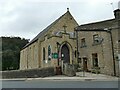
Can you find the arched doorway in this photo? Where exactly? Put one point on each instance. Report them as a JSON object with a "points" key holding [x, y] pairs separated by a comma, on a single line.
{"points": [[65, 54]]}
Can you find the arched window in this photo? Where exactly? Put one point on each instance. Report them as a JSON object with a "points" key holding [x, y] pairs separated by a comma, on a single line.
{"points": [[43, 53], [49, 52]]}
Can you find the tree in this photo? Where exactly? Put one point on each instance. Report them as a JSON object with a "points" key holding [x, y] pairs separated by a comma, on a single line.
{"points": [[11, 47]]}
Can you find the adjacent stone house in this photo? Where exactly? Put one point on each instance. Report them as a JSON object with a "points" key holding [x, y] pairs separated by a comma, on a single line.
{"points": [[99, 45], [52, 47]]}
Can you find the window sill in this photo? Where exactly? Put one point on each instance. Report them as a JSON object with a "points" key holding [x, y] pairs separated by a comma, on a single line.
{"points": [[83, 46], [95, 67], [96, 43]]}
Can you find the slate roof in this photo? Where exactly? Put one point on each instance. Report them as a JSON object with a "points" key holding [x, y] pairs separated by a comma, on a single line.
{"points": [[42, 33], [98, 25]]}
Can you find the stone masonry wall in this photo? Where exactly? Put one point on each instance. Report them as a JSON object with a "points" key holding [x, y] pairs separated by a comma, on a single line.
{"points": [[104, 51], [31, 73], [32, 56]]}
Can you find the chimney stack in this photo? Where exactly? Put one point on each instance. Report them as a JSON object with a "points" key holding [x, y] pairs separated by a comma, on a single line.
{"points": [[117, 14]]}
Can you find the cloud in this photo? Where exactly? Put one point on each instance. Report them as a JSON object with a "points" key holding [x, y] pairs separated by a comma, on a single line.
{"points": [[26, 18]]}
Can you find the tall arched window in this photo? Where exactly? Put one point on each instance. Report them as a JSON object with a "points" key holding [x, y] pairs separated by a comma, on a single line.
{"points": [[49, 52], [43, 53]]}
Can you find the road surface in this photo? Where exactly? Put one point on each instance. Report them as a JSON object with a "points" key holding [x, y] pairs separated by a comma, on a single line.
{"points": [[58, 84]]}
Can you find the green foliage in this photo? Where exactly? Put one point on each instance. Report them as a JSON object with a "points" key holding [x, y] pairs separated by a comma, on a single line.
{"points": [[11, 47]]}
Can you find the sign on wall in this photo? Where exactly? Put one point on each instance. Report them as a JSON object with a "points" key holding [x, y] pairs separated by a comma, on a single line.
{"points": [[55, 55]]}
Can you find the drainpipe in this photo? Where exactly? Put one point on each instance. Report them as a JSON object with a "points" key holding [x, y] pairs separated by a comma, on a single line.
{"points": [[27, 57], [112, 46], [77, 43], [113, 53]]}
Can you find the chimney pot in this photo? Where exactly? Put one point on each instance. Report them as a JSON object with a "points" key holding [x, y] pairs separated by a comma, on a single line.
{"points": [[117, 13]]}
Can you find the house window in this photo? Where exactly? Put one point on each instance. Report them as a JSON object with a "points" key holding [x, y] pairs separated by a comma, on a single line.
{"points": [[49, 52], [43, 53], [83, 43], [95, 38], [95, 59]]}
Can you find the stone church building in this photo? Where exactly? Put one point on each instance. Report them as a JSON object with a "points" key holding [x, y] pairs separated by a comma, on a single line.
{"points": [[94, 46], [52, 47]]}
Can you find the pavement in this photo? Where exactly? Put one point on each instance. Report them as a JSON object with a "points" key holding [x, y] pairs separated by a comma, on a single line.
{"points": [[80, 76]]}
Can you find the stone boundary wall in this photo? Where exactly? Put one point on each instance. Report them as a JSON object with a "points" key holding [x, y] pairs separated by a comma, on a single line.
{"points": [[31, 73], [69, 70]]}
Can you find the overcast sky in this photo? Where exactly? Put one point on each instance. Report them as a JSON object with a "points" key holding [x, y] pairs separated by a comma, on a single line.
{"points": [[26, 18]]}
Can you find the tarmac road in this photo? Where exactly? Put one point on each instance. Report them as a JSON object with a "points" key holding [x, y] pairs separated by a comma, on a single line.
{"points": [[58, 84]]}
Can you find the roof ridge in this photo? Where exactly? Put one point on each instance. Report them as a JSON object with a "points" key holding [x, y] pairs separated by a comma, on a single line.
{"points": [[41, 34], [97, 22]]}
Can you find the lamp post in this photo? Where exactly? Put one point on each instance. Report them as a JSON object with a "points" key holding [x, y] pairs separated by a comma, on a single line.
{"points": [[58, 46], [58, 68]]}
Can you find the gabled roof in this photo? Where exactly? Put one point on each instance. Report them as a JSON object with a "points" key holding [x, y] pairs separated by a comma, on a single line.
{"points": [[42, 33]]}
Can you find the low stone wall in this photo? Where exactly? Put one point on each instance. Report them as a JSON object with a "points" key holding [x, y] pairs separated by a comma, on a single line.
{"points": [[69, 69], [31, 73]]}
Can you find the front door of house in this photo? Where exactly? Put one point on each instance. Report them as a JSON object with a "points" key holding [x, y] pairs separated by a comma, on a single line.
{"points": [[85, 64], [65, 54]]}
